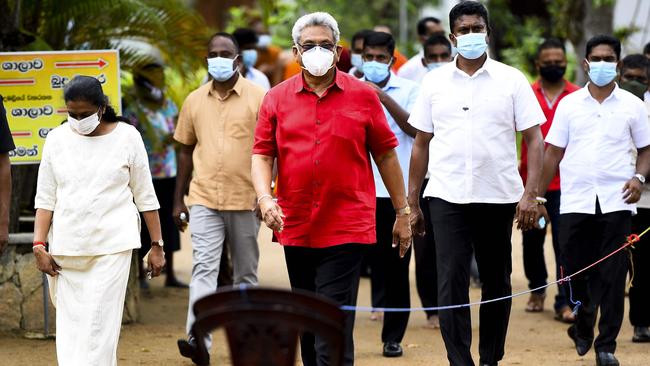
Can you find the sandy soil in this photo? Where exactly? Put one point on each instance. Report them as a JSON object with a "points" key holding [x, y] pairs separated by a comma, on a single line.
{"points": [[533, 339]]}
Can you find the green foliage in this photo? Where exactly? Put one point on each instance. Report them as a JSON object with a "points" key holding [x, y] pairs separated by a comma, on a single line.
{"points": [[169, 25], [279, 15]]}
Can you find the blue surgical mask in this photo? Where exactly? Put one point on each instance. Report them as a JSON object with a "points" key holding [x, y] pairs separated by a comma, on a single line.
{"points": [[472, 45], [356, 60], [220, 68], [249, 58], [602, 73], [435, 65], [264, 41], [376, 72]]}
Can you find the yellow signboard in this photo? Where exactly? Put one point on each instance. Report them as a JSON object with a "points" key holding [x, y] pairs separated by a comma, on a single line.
{"points": [[31, 84]]}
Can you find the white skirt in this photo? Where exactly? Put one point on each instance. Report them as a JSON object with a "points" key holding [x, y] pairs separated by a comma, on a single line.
{"points": [[89, 296]]}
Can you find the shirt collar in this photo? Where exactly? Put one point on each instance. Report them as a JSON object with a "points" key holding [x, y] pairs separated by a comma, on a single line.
{"points": [[237, 88], [300, 84], [537, 85], [393, 82], [487, 66], [616, 93]]}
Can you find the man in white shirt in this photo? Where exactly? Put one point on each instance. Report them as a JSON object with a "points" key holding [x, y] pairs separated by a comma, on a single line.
{"points": [[247, 40], [474, 106], [414, 69], [356, 51], [436, 52], [590, 140], [390, 272]]}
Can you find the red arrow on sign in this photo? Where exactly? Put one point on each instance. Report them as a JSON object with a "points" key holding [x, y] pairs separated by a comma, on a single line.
{"points": [[21, 134], [100, 64], [11, 82], [62, 111]]}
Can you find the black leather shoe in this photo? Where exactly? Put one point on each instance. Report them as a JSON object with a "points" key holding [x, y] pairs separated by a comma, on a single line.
{"points": [[392, 349], [188, 349], [606, 359], [641, 335], [582, 345]]}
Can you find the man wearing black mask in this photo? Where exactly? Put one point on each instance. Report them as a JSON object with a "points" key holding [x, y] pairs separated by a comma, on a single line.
{"points": [[549, 89]]}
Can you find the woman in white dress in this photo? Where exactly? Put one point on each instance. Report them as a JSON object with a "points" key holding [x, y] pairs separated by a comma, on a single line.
{"points": [[93, 181]]}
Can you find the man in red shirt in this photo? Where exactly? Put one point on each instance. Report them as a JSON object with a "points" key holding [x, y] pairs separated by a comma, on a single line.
{"points": [[322, 126], [550, 89]]}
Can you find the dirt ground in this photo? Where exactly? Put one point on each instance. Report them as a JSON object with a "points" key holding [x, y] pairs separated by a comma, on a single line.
{"points": [[533, 339]]}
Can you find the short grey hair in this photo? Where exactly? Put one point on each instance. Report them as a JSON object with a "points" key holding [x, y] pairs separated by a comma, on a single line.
{"points": [[315, 19]]}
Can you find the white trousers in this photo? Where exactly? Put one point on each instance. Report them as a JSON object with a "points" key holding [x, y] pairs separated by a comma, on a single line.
{"points": [[89, 296]]}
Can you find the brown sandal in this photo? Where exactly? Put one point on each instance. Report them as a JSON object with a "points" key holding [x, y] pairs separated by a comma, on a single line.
{"points": [[565, 315], [535, 303]]}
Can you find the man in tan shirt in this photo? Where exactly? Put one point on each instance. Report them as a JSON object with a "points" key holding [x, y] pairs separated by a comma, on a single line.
{"points": [[216, 128]]}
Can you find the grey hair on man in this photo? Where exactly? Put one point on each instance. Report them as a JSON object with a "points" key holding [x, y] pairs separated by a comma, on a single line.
{"points": [[315, 19]]}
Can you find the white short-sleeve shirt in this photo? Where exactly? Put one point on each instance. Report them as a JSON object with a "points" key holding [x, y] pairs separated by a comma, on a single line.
{"points": [[474, 119], [95, 186], [404, 92], [597, 138], [413, 69], [259, 78]]}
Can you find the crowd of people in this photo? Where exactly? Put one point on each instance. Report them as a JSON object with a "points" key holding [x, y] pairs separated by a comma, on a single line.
{"points": [[350, 156]]}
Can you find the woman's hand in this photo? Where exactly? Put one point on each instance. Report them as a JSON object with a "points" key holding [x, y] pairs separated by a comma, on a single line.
{"points": [[44, 261], [155, 260]]}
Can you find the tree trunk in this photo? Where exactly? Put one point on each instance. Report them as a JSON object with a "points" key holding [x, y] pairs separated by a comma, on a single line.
{"points": [[597, 20]]}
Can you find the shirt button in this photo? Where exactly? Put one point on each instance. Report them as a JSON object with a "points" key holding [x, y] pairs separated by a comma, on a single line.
{"points": [[317, 142], [315, 205], [318, 122], [317, 162]]}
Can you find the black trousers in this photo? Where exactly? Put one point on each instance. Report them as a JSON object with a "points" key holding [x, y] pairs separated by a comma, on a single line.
{"points": [[533, 248], [334, 273], [426, 277], [486, 230], [585, 238], [639, 293], [391, 272]]}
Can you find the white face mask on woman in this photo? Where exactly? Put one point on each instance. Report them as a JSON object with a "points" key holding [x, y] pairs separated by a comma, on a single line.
{"points": [[86, 125]]}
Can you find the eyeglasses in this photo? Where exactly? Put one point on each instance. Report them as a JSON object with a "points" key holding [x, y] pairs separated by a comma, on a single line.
{"points": [[309, 46]]}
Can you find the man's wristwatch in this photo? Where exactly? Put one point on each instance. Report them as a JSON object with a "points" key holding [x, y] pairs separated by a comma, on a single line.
{"points": [[159, 243], [640, 177], [404, 211]]}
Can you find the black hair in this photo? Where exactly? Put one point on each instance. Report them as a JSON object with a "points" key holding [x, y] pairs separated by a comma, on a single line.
{"points": [[635, 61], [225, 35], [606, 40], [360, 35], [88, 89], [380, 39], [468, 7], [438, 39], [245, 36], [551, 43], [422, 24], [646, 49]]}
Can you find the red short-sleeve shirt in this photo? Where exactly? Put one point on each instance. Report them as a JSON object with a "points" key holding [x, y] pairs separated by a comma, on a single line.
{"points": [[323, 145], [549, 112]]}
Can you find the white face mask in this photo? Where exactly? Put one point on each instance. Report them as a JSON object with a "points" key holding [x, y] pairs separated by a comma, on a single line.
{"points": [[318, 61], [86, 125]]}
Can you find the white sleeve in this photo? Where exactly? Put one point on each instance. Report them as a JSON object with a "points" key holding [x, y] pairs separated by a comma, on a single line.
{"points": [[558, 134], [640, 128], [420, 116], [140, 180], [527, 111], [46, 184]]}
